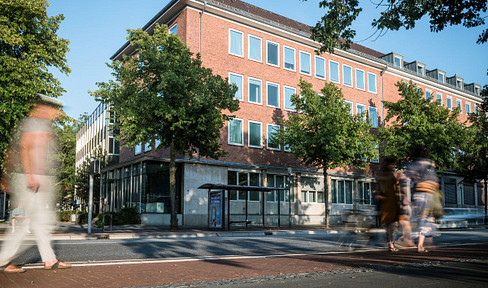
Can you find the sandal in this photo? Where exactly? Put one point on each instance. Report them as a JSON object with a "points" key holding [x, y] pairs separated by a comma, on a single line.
{"points": [[58, 265], [11, 268], [423, 251], [393, 249]]}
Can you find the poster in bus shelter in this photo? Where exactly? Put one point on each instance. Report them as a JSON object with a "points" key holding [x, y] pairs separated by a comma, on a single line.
{"points": [[215, 207]]}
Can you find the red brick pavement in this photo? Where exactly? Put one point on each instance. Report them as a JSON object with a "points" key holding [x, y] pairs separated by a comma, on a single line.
{"points": [[180, 272]]}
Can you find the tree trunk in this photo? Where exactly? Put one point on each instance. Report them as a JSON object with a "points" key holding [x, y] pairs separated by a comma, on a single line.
{"points": [[326, 196], [486, 201], [172, 187]]}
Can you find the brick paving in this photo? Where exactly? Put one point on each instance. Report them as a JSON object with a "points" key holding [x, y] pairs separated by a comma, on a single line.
{"points": [[148, 274]]}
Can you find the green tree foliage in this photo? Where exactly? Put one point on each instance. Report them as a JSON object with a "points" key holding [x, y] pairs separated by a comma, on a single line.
{"points": [[415, 120], [81, 180], [334, 28], [28, 47], [66, 128], [163, 93], [324, 134]]}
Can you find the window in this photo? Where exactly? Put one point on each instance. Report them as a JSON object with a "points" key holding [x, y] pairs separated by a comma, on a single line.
{"points": [[254, 91], [312, 197], [289, 58], [277, 181], [372, 82], [459, 105], [347, 75], [361, 109], [243, 179], [441, 77], [255, 48], [341, 191], [157, 143], [360, 79], [377, 159], [273, 53], [349, 106], [305, 63], [438, 98], [365, 190], [236, 44], [475, 109], [373, 116], [138, 149], [319, 67], [273, 95], [147, 147], [468, 108], [397, 62], [334, 71], [420, 70], [235, 132], [288, 92], [272, 130], [237, 79], [449, 102], [428, 95], [174, 29], [255, 135], [459, 84]]}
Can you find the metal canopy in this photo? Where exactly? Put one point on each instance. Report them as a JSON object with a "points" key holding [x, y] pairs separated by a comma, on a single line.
{"points": [[239, 187]]}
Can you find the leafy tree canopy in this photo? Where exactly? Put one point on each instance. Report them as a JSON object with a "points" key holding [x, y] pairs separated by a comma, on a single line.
{"points": [[415, 120], [28, 47], [324, 133], [334, 29]]}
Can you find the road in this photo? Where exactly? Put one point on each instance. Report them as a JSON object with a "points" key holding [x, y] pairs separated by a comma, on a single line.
{"points": [[284, 261]]}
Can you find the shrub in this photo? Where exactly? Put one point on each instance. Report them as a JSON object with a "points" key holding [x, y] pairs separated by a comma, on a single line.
{"points": [[65, 216]]}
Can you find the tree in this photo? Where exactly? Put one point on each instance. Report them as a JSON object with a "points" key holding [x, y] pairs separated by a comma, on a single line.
{"points": [[415, 120], [163, 93], [334, 28], [324, 133], [81, 178], [28, 47]]}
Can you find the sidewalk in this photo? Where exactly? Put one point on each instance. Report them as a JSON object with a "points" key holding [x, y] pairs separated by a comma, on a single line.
{"points": [[70, 231]]}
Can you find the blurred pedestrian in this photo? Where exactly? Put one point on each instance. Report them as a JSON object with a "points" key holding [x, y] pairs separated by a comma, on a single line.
{"points": [[425, 183], [32, 181]]}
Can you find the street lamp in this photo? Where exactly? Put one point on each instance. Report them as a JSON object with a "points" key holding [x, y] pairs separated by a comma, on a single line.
{"points": [[94, 169]]}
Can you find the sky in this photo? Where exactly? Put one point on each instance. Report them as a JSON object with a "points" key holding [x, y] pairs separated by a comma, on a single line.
{"points": [[98, 28]]}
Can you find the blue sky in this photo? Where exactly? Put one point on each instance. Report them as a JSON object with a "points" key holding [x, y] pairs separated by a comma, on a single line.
{"points": [[97, 29]]}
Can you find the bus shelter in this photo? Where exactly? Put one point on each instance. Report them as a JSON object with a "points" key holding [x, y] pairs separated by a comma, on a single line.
{"points": [[220, 214]]}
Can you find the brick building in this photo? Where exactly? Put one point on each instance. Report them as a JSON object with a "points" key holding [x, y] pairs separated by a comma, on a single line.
{"points": [[265, 55]]}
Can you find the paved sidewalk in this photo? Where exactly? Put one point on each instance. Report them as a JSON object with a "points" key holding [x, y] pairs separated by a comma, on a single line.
{"points": [[70, 231]]}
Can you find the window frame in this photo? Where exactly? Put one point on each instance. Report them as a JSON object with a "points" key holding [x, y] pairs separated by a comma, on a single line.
{"points": [[242, 85], [449, 102], [467, 107], [260, 60], [229, 132], [441, 100], [300, 53], [335, 191], [375, 119], [363, 79], [249, 90], [430, 95], [364, 110], [230, 42], [249, 122], [269, 127], [173, 27], [324, 66], [138, 149], [351, 106], [284, 97], [350, 75], [375, 83], [277, 52], [294, 58], [268, 83], [459, 103], [338, 72]]}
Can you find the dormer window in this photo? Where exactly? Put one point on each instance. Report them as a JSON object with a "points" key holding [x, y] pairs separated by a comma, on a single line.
{"points": [[459, 84], [397, 61], [441, 78], [420, 70], [477, 91]]}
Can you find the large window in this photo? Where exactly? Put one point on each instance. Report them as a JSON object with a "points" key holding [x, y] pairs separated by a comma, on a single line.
{"points": [[138, 149], [372, 82], [347, 75], [349, 106], [312, 196], [438, 98], [319, 67], [174, 29], [236, 133], [277, 181], [373, 116], [238, 80], [243, 179], [360, 79], [428, 95], [236, 43], [255, 48], [254, 91], [459, 105], [449, 102], [273, 53], [468, 108], [288, 92], [365, 190], [289, 58], [273, 95], [305, 63], [255, 134], [334, 71], [361, 109], [341, 191], [273, 144]]}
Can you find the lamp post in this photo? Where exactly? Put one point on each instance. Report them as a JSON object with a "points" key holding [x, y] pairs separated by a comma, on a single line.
{"points": [[94, 169]]}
